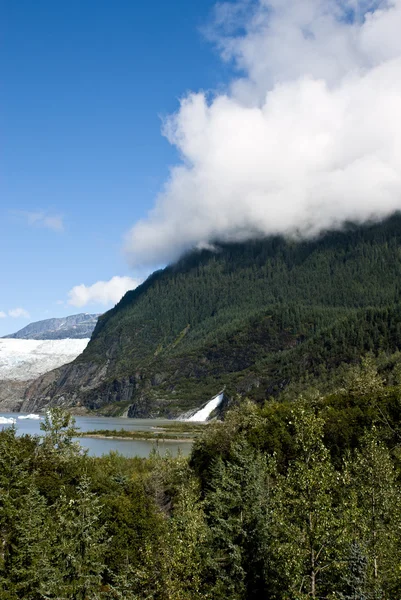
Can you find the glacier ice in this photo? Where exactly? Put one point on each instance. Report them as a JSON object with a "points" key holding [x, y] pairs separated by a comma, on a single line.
{"points": [[21, 360]]}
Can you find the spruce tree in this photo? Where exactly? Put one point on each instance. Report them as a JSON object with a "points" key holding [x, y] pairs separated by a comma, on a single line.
{"points": [[78, 547], [27, 559], [355, 576], [14, 482], [237, 509]]}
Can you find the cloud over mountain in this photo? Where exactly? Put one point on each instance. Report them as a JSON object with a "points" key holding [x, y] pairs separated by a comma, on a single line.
{"points": [[101, 292], [307, 136]]}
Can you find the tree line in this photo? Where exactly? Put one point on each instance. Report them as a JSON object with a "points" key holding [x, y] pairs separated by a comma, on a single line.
{"points": [[284, 501]]}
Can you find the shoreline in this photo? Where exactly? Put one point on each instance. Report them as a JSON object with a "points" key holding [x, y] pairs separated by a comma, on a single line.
{"points": [[135, 439]]}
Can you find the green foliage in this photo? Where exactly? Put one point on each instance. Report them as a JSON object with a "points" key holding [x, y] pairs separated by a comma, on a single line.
{"points": [[355, 575], [378, 494], [27, 555], [59, 433], [78, 545], [237, 510], [255, 317], [172, 564], [14, 484], [310, 521], [288, 501]]}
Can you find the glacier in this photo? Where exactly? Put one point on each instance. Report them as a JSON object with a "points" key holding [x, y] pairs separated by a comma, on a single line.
{"points": [[23, 360]]}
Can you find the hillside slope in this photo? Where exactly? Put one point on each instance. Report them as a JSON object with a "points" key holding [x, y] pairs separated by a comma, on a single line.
{"points": [[252, 317]]}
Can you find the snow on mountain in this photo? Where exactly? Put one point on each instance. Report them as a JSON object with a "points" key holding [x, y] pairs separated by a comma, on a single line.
{"points": [[75, 326], [22, 360]]}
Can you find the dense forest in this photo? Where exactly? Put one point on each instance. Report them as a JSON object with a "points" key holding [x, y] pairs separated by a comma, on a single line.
{"points": [[251, 317], [283, 500]]}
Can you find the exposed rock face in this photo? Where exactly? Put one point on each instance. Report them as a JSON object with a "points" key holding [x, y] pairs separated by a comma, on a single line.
{"points": [[72, 327], [12, 395], [83, 384], [62, 387]]}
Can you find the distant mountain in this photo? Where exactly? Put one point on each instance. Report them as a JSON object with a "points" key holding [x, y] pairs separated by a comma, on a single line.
{"points": [[251, 317], [73, 327]]}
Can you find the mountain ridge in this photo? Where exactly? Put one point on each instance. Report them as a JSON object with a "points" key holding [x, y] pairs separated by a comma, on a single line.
{"points": [[73, 327]]}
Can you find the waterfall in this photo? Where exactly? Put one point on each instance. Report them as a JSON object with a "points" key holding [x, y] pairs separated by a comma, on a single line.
{"points": [[203, 413]]}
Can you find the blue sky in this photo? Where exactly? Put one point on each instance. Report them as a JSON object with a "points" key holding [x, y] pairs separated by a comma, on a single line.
{"points": [[83, 87], [288, 123]]}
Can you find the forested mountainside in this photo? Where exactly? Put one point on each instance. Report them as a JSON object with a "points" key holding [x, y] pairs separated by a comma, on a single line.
{"points": [[74, 327], [256, 317]]}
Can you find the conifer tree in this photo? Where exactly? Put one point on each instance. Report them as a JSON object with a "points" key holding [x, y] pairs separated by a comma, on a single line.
{"points": [[78, 546], [173, 562], [14, 481], [237, 509], [355, 574], [26, 564]]}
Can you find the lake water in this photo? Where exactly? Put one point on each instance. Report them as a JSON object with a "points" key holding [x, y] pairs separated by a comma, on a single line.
{"points": [[97, 447]]}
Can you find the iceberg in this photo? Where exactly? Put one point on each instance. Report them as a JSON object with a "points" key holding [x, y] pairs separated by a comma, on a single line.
{"points": [[7, 421], [31, 416], [204, 413]]}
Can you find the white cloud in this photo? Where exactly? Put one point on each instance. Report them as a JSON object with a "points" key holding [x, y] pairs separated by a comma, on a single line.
{"points": [[2, 314], [307, 137], [42, 219], [102, 292], [18, 313]]}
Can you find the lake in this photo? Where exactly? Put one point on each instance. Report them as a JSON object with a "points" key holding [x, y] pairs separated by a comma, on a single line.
{"points": [[97, 447]]}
